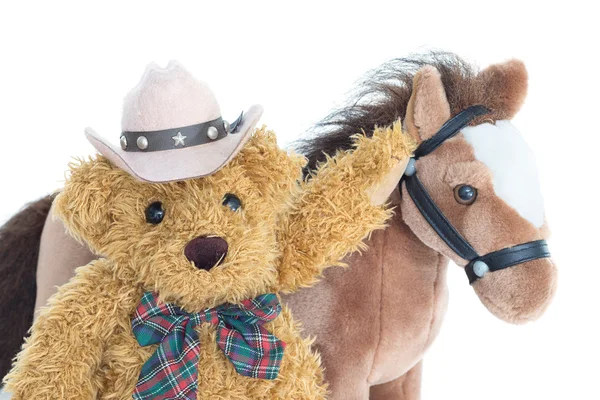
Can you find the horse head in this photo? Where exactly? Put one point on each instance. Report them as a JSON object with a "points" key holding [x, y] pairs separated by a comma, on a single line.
{"points": [[477, 198], [472, 191]]}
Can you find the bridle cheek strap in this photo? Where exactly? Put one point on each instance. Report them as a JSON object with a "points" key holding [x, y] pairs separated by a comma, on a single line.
{"points": [[438, 221], [477, 265]]}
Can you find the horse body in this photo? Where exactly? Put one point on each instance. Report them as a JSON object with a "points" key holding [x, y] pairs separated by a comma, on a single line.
{"points": [[378, 316]]}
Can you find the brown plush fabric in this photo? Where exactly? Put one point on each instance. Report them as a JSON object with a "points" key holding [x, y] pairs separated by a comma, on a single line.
{"points": [[502, 87], [384, 96], [377, 317], [19, 239], [428, 107], [407, 387], [518, 294], [59, 255]]}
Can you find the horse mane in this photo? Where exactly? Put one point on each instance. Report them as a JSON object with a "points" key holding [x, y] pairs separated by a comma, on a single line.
{"points": [[380, 98]]}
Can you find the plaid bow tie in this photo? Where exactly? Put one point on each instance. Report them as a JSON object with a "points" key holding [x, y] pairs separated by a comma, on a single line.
{"points": [[172, 371]]}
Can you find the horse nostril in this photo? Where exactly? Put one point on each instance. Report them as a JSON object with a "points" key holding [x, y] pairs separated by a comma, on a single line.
{"points": [[206, 252]]}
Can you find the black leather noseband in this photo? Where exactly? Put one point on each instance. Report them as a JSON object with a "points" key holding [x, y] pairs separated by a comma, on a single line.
{"points": [[508, 257], [477, 265]]}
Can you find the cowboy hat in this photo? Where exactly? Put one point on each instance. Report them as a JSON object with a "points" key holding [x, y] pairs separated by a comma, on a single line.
{"points": [[172, 128]]}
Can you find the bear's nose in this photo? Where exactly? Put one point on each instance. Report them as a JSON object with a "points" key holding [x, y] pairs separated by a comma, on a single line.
{"points": [[206, 252]]}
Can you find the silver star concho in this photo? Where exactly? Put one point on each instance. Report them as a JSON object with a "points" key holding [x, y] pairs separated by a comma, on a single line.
{"points": [[179, 139]]}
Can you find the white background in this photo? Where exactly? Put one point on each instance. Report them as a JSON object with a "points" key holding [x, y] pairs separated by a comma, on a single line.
{"points": [[66, 66]]}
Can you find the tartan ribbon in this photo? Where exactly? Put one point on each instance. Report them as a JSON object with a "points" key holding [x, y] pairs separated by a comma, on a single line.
{"points": [[172, 371]]}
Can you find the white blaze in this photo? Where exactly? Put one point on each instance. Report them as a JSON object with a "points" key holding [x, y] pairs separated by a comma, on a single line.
{"points": [[503, 150]]}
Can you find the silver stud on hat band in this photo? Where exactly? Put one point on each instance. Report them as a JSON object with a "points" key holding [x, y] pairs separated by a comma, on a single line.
{"points": [[142, 142], [123, 143], [212, 133]]}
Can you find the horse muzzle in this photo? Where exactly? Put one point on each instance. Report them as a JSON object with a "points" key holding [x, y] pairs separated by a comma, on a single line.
{"points": [[519, 294]]}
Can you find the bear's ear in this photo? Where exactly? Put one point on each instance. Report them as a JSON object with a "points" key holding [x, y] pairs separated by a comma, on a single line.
{"points": [[275, 171], [84, 203]]}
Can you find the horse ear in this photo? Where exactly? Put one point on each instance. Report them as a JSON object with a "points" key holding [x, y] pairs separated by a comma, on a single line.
{"points": [[428, 106], [506, 84]]}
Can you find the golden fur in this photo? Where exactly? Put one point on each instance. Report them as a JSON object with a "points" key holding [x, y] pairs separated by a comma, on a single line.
{"points": [[82, 346]]}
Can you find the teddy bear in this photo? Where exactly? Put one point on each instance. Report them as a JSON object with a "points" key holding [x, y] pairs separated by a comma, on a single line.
{"points": [[201, 225]]}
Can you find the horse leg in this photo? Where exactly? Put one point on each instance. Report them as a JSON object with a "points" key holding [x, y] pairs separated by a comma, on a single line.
{"points": [[406, 387], [347, 387], [346, 368]]}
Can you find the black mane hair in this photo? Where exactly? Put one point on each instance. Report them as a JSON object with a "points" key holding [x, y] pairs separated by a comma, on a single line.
{"points": [[380, 98]]}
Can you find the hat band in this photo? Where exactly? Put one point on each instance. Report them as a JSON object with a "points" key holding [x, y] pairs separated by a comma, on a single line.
{"points": [[176, 138]]}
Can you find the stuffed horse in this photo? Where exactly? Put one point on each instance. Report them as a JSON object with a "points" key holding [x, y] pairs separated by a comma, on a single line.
{"points": [[390, 302], [471, 196]]}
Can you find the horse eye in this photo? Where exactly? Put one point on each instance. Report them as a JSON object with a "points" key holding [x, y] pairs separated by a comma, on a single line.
{"points": [[232, 201], [155, 213], [465, 194]]}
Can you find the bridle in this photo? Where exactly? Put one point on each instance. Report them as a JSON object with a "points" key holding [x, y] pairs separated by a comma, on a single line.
{"points": [[477, 265]]}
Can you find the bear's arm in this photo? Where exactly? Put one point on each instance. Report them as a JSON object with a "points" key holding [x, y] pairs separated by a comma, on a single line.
{"points": [[341, 205], [60, 358]]}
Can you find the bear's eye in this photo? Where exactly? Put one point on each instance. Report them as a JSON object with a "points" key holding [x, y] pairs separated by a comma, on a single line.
{"points": [[465, 194], [155, 213], [232, 201]]}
